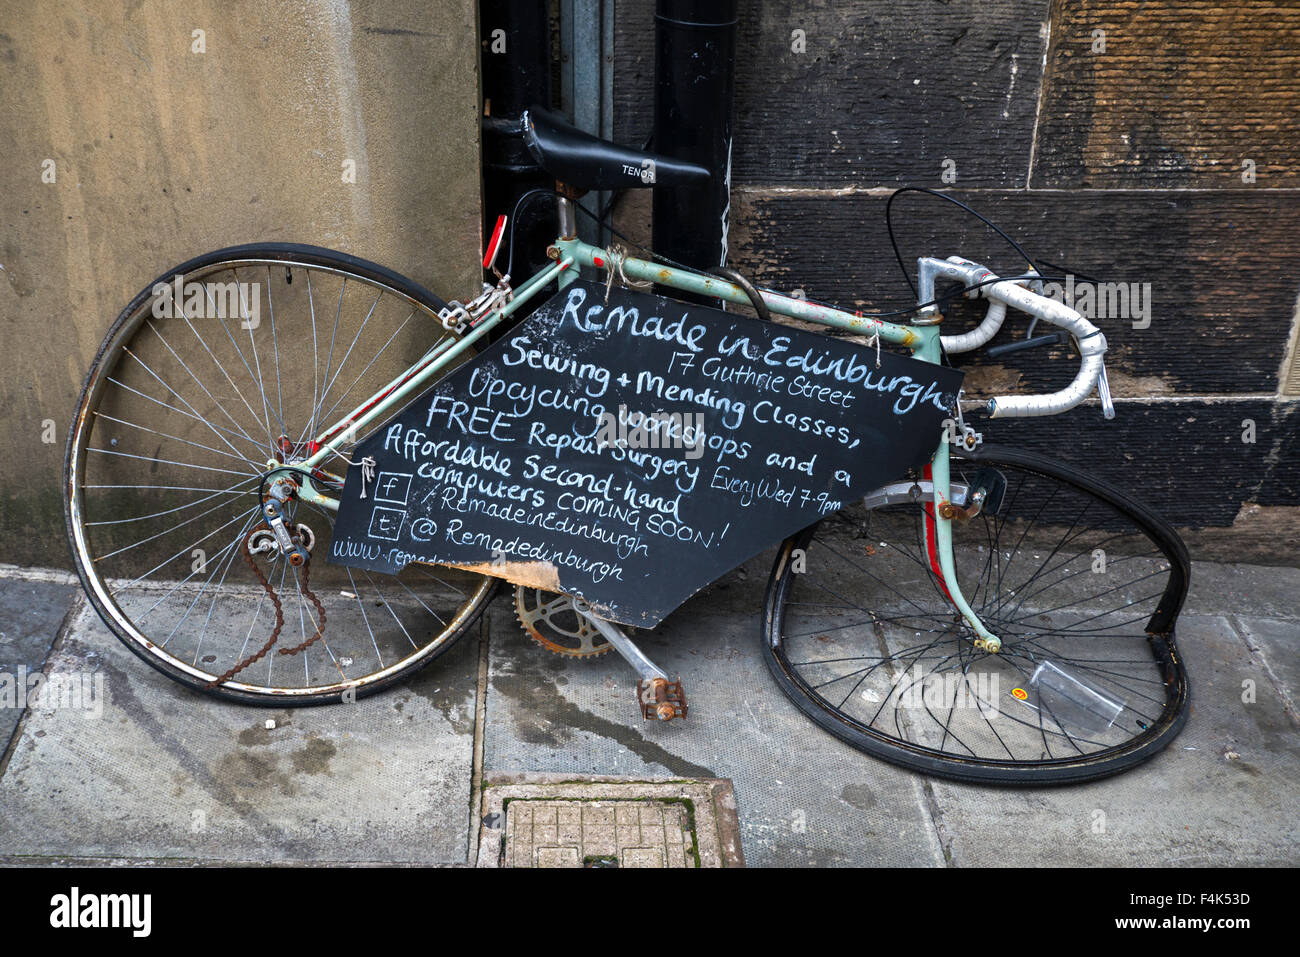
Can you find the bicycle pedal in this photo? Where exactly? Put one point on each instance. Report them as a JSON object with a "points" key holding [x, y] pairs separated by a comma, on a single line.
{"points": [[661, 699]]}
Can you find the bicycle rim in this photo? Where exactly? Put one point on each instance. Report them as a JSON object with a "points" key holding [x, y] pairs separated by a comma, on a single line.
{"points": [[1082, 584], [178, 418]]}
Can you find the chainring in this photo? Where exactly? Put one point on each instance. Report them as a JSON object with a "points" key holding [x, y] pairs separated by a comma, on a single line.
{"points": [[548, 618]]}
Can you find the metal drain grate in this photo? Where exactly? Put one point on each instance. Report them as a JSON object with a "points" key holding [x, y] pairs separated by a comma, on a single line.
{"points": [[573, 833], [542, 821]]}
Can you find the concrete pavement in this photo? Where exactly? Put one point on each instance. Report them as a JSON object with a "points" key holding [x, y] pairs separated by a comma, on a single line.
{"points": [[166, 774]]}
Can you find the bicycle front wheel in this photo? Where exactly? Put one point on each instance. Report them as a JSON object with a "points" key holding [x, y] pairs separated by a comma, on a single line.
{"points": [[1081, 583], [227, 363]]}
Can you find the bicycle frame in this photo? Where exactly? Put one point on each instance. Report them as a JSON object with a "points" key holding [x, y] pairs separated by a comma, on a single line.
{"points": [[571, 255]]}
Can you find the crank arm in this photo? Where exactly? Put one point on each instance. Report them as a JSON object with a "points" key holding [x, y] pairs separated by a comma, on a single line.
{"points": [[633, 655], [659, 697]]}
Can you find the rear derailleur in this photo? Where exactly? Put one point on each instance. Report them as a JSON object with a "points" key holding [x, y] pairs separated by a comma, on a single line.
{"points": [[274, 536]]}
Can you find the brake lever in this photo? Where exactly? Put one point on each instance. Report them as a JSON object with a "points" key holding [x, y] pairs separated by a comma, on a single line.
{"points": [[1103, 393]]}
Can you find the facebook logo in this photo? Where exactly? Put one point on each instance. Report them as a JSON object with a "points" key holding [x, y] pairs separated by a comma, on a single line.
{"points": [[393, 487]]}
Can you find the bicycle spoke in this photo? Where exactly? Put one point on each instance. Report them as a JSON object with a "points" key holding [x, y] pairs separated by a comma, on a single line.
{"points": [[329, 361], [167, 594], [217, 566], [362, 373], [365, 618], [221, 367], [275, 346], [235, 489], [216, 429], [174, 446], [158, 535], [390, 610], [174, 438], [344, 361], [168, 387], [421, 601], [310, 429]]}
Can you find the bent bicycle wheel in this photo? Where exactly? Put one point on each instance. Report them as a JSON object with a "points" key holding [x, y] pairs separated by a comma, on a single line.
{"points": [[231, 361], [1081, 584]]}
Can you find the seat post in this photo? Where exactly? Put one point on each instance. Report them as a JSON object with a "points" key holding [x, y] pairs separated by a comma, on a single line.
{"points": [[566, 214]]}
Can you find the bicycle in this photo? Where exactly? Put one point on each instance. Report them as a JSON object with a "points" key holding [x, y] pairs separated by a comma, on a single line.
{"points": [[985, 614]]}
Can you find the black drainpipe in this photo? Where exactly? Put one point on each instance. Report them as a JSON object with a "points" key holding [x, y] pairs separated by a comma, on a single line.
{"points": [[514, 79], [695, 86]]}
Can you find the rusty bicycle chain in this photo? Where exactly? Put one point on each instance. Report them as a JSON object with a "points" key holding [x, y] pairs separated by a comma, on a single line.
{"points": [[279, 616]]}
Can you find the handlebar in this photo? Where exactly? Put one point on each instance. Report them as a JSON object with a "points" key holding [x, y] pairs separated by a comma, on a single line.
{"points": [[1009, 293]]}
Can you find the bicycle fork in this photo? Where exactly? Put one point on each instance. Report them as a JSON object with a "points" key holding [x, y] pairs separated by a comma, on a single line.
{"points": [[939, 516]]}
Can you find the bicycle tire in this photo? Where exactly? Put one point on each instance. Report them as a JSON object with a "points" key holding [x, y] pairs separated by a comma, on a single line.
{"points": [[99, 592], [914, 755]]}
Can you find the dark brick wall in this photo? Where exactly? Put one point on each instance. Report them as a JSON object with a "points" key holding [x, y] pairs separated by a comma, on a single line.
{"points": [[1119, 154]]}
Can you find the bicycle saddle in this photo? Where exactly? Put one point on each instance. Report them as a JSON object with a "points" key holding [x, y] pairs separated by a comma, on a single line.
{"points": [[586, 162]]}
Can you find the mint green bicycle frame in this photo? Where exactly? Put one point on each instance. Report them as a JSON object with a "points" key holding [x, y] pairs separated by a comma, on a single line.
{"points": [[571, 256]]}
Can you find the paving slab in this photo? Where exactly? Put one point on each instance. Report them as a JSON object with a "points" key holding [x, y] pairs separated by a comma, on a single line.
{"points": [[804, 798], [166, 772], [1225, 793], [31, 613], [1265, 591], [1276, 642]]}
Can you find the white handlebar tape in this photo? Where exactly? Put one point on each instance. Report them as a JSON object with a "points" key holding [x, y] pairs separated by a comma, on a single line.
{"points": [[1092, 347], [981, 334]]}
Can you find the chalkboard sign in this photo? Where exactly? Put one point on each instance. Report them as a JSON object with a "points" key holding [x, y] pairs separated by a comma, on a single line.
{"points": [[631, 452]]}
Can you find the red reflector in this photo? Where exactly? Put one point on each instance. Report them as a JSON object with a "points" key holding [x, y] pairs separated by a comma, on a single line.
{"points": [[494, 244], [600, 263]]}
